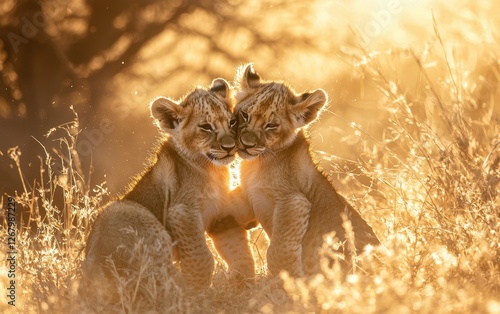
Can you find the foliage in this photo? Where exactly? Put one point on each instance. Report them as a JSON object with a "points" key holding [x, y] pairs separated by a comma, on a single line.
{"points": [[419, 156]]}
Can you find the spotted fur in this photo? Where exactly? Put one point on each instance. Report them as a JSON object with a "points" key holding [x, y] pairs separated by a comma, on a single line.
{"points": [[280, 183], [180, 195]]}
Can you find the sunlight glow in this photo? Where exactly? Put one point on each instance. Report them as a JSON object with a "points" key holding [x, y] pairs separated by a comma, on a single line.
{"points": [[234, 173], [419, 163]]}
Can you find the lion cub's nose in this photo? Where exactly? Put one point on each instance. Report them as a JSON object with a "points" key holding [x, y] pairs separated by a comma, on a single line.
{"points": [[249, 139], [227, 143]]}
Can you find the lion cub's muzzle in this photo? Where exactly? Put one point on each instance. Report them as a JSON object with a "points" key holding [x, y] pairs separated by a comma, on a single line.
{"points": [[249, 145], [249, 140], [224, 152], [227, 143]]}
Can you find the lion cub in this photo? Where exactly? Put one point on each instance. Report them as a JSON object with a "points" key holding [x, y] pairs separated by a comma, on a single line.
{"points": [[295, 203], [180, 195]]}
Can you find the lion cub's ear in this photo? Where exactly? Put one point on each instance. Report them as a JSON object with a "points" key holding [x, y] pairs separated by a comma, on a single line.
{"points": [[308, 106], [167, 113], [222, 88], [248, 78]]}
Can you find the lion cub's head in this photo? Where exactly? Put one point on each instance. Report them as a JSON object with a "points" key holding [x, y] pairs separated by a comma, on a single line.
{"points": [[201, 124], [269, 113]]}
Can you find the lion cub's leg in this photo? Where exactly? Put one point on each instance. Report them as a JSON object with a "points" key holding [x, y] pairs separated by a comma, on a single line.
{"points": [[231, 241], [290, 222], [119, 228], [197, 263], [126, 240]]}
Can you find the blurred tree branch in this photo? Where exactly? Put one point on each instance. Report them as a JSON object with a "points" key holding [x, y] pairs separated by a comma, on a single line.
{"points": [[58, 53]]}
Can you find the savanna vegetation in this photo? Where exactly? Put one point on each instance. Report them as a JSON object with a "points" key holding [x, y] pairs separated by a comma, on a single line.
{"points": [[411, 137]]}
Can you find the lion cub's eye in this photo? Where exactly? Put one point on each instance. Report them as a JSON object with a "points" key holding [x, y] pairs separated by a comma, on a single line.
{"points": [[244, 115], [270, 126], [206, 127], [232, 123]]}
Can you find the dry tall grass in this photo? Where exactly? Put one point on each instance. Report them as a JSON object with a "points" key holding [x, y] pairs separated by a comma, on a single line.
{"points": [[429, 186]]}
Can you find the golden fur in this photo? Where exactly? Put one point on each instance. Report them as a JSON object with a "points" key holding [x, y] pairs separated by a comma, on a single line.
{"points": [[183, 193], [280, 184]]}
